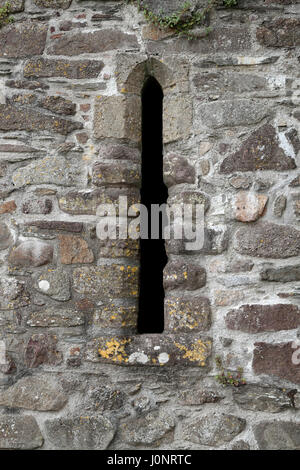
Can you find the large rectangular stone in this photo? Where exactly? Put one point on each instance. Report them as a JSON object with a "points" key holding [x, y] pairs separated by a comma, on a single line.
{"points": [[118, 117], [110, 281], [23, 40], [151, 350], [279, 360], [76, 43], [76, 69], [28, 119]]}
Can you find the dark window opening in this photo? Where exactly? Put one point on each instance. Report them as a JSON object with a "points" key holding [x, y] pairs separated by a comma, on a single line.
{"points": [[153, 191]]}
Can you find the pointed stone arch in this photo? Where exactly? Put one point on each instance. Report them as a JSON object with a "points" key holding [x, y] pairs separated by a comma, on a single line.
{"points": [[119, 116]]}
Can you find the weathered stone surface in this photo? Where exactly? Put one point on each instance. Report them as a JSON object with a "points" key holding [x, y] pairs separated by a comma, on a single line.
{"points": [[54, 317], [37, 206], [228, 82], [151, 350], [119, 248], [82, 432], [64, 4], [119, 152], [8, 207], [54, 283], [103, 40], [177, 170], [34, 393], [258, 398], [199, 397], [295, 182], [13, 118], [31, 253], [249, 206], [26, 84], [118, 117], [261, 151], [114, 280], [59, 105], [15, 6], [183, 276], [277, 360], [74, 250], [40, 68], [114, 316], [284, 274], [279, 205], [223, 298], [215, 242], [277, 435], [87, 202], [19, 432], [259, 318], [5, 237], [49, 170], [266, 240], [23, 39], [177, 117], [240, 182], [187, 314], [75, 227], [42, 349], [230, 113], [148, 429], [279, 32], [12, 294], [213, 430], [189, 197], [222, 39], [104, 173], [241, 445], [106, 398]]}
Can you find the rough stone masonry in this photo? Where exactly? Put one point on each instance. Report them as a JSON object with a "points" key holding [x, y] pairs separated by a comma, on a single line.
{"points": [[74, 373]]}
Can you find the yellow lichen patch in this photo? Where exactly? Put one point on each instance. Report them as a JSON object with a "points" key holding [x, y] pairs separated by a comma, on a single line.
{"points": [[115, 350], [197, 353]]}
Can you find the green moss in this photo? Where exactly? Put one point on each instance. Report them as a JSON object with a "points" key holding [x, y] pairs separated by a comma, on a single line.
{"points": [[5, 18], [234, 379], [185, 19]]}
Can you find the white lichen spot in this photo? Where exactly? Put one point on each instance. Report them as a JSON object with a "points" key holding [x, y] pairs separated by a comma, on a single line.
{"points": [[156, 348], [163, 358], [138, 357], [44, 285]]}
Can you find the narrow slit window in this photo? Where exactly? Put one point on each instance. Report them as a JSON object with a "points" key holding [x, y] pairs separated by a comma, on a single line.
{"points": [[153, 191]]}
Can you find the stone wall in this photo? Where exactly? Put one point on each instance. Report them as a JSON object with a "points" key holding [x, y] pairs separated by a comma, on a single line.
{"points": [[74, 373]]}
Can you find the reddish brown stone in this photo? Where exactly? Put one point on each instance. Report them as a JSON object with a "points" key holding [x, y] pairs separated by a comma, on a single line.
{"points": [[8, 207], [42, 349], [260, 318], [23, 40], [85, 305], [13, 118], [74, 250], [279, 32], [249, 206], [93, 43], [59, 105], [85, 107], [261, 151], [57, 225], [279, 360], [31, 253], [82, 137]]}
